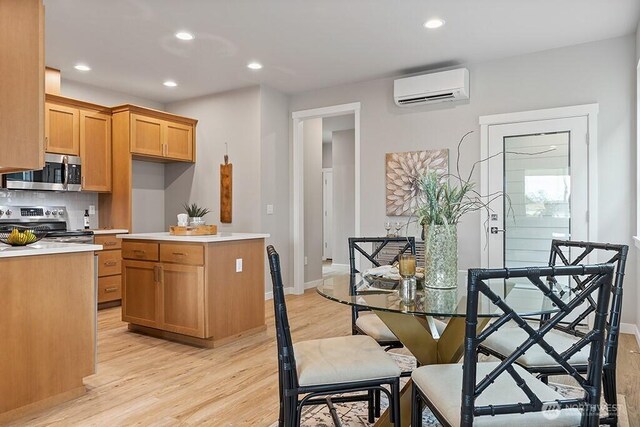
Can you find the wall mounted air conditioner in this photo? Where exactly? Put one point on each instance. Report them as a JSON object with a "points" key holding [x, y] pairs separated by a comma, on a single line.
{"points": [[431, 88]]}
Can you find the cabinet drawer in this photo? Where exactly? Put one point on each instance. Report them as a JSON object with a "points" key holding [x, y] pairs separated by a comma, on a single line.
{"points": [[139, 250], [182, 253], [109, 241], [109, 288], [109, 263]]}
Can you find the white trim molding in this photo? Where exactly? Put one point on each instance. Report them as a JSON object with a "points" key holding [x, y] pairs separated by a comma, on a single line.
{"points": [[590, 111], [269, 295], [630, 328], [297, 178]]}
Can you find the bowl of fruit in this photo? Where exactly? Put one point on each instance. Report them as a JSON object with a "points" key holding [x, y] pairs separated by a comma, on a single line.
{"points": [[21, 236]]}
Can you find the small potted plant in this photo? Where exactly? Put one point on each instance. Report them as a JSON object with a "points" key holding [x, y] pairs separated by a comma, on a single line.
{"points": [[196, 213]]}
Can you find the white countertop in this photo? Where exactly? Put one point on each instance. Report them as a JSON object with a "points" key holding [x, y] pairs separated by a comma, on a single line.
{"points": [[45, 248], [220, 237], [109, 231]]}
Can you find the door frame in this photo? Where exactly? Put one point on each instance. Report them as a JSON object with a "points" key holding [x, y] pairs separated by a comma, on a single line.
{"points": [[590, 111], [297, 178], [326, 171]]}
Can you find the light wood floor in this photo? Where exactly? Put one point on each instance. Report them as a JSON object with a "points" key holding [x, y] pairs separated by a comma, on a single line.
{"points": [[145, 381]]}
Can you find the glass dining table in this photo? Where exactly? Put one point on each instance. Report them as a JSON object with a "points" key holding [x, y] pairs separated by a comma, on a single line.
{"points": [[431, 325]]}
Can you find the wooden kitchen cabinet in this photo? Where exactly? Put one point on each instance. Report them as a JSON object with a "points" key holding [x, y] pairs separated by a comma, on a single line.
{"points": [[79, 128], [21, 85], [157, 135], [141, 293], [142, 134], [147, 136], [62, 129], [182, 299], [179, 142], [194, 293], [95, 151], [109, 270]]}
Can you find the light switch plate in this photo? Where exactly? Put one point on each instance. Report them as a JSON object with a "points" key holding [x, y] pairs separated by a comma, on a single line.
{"points": [[269, 209], [306, 261], [92, 210], [238, 265]]}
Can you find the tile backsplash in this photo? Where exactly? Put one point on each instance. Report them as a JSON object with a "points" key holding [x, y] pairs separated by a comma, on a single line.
{"points": [[75, 202]]}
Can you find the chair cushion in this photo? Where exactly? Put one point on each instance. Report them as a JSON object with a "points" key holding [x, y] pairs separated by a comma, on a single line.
{"points": [[442, 385], [342, 359], [372, 325], [505, 340]]}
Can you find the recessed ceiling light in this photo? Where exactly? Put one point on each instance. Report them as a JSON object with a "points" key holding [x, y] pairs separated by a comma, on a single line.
{"points": [[183, 35], [254, 65], [82, 67], [170, 83], [434, 23]]}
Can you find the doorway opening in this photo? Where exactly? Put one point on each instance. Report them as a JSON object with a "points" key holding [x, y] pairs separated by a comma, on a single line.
{"points": [[324, 215]]}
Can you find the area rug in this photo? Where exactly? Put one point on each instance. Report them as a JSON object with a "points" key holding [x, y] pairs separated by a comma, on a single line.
{"points": [[355, 414]]}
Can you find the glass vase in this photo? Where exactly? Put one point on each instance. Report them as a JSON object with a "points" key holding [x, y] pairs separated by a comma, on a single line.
{"points": [[441, 256]]}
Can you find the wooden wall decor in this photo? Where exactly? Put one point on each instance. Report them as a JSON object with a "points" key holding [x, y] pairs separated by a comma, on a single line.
{"points": [[226, 190]]}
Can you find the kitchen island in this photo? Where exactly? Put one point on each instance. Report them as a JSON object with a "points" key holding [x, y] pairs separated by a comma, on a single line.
{"points": [[48, 324], [198, 290]]}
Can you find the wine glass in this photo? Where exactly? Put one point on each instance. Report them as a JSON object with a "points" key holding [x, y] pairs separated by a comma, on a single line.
{"points": [[387, 226], [398, 227]]}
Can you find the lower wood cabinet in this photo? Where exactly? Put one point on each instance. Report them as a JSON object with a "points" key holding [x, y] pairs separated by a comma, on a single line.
{"points": [[164, 296], [109, 270], [194, 290]]}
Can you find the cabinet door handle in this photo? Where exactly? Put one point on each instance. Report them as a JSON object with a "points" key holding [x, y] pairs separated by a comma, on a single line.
{"points": [[139, 252], [156, 274], [179, 253], [110, 263], [110, 243], [109, 290], [46, 143]]}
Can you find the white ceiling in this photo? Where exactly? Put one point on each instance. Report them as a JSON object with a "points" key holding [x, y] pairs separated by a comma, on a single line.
{"points": [[305, 44]]}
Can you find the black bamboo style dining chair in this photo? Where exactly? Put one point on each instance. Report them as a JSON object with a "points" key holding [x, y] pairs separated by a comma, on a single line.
{"points": [[363, 321], [503, 393], [311, 372], [565, 334]]}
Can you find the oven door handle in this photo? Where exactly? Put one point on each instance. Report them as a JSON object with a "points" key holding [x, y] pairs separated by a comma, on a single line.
{"points": [[65, 169]]}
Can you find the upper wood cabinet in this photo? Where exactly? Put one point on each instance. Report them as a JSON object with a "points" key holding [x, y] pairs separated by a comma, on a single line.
{"points": [[79, 128], [95, 151], [62, 129], [21, 85], [159, 135]]}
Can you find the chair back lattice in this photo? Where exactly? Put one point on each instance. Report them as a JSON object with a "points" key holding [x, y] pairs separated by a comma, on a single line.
{"points": [[370, 248], [375, 247], [617, 255], [287, 375], [596, 285]]}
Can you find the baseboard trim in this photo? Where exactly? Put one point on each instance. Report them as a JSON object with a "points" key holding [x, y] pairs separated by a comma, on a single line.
{"points": [[269, 295], [335, 264], [312, 284], [630, 328]]}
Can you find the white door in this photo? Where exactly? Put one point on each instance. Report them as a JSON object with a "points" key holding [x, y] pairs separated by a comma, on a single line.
{"points": [[541, 168], [327, 214]]}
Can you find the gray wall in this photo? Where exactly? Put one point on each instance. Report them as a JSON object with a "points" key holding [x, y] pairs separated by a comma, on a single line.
{"points": [[344, 187], [326, 155], [312, 140], [602, 72], [101, 96], [274, 128], [231, 117], [147, 198]]}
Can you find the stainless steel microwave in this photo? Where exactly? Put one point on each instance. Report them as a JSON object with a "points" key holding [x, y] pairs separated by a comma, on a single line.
{"points": [[60, 173]]}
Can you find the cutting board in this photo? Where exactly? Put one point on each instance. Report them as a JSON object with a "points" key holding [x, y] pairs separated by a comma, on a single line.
{"points": [[197, 230]]}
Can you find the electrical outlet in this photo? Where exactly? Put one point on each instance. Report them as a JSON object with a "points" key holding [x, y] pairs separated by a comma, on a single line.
{"points": [[306, 261], [239, 265], [92, 210], [269, 209]]}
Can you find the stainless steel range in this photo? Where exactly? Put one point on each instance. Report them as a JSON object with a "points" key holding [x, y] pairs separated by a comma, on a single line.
{"points": [[53, 218]]}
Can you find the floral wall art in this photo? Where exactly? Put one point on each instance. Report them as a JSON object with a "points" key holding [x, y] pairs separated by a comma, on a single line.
{"points": [[403, 171]]}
